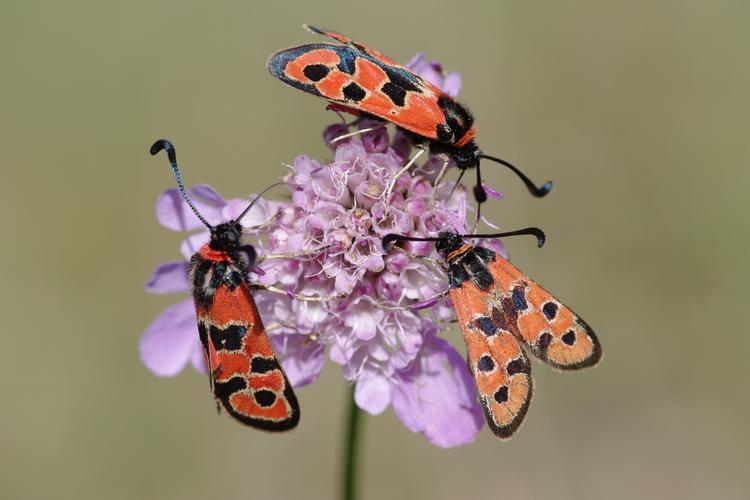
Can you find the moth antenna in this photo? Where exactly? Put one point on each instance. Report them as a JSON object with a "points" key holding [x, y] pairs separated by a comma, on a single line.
{"points": [[244, 212], [312, 29], [541, 238], [172, 157], [536, 191], [479, 193]]}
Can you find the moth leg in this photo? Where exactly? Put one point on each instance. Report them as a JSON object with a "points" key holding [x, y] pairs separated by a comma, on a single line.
{"points": [[458, 182], [357, 132], [429, 302], [476, 219], [296, 296], [270, 220], [389, 189], [438, 180], [437, 263], [293, 255]]}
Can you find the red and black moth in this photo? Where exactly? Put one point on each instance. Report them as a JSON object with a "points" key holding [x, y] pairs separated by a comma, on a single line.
{"points": [[363, 81], [501, 311], [245, 374]]}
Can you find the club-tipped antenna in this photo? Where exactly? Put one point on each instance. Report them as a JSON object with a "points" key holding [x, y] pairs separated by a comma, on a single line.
{"points": [[541, 238], [258, 198], [172, 157], [479, 193], [390, 239], [533, 189]]}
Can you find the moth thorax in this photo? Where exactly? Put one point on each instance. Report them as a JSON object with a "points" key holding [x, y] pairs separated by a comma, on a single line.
{"points": [[458, 120], [466, 156]]}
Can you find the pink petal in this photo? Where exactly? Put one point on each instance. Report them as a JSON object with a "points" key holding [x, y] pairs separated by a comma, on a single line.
{"points": [[436, 396], [207, 195], [373, 394], [363, 319], [452, 84], [170, 277], [192, 244], [416, 63], [198, 359], [169, 341], [300, 355], [173, 213], [492, 193]]}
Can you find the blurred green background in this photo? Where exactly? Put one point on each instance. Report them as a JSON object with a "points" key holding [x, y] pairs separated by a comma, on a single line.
{"points": [[637, 110]]}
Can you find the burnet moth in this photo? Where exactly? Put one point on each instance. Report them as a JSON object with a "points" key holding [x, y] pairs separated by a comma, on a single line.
{"points": [[364, 82], [501, 311], [245, 374]]}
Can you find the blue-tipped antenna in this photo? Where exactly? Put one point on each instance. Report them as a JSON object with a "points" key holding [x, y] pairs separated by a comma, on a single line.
{"points": [[172, 156]]}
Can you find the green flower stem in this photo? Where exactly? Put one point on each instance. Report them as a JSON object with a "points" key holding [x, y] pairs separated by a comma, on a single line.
{"points": [[351, 451]]}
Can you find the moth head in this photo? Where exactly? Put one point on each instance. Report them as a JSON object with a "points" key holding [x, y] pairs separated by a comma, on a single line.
{"points": [[227, 236], [448, 242]]}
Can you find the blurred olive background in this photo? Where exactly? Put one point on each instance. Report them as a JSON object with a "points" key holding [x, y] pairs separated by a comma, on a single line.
{"points": [[637, 110]]}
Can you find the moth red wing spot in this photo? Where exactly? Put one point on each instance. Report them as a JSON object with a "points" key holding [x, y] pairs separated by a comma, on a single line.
{"points": [[257, 344], [380, 105], [231, 306], [231, 365], [421, 114], [332, 86], [273, 381], [368, 74], [295, 69], [246, 404], [552, 331]]}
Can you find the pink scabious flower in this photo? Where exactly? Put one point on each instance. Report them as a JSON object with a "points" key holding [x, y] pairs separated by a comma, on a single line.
{"points": [[373, 312]]}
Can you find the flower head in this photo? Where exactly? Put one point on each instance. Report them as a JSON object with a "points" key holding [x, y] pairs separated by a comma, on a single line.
{"points": [[374, 312]]}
